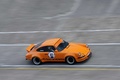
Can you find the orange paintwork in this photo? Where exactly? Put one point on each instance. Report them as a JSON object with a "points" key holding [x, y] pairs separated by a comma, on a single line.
{"points": [[79, 51], [54, 42], [29, 47]]}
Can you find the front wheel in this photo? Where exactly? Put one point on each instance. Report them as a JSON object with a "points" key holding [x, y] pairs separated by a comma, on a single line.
{"points": [[70, 60], [36, 61]]}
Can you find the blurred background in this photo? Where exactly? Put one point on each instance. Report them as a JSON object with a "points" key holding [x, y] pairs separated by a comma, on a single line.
{"points": [[95, 22], [59, 15]]}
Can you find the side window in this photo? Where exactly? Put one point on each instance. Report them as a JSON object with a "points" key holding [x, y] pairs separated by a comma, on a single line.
{"points": [[40, 49], [46, 49], [51, 48]]}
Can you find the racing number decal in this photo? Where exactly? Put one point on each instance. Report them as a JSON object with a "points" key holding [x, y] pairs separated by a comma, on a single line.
{"points": [[51, 55]]}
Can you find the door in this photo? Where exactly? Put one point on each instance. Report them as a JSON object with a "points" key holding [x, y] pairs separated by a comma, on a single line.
{"points": [[59, 56], [49, 54]]}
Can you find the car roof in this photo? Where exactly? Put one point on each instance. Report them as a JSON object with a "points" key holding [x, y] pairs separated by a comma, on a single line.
{"points": [[52, 41]]}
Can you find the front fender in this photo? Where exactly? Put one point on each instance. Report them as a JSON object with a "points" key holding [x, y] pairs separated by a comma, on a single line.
{"points": [[70, 54]]}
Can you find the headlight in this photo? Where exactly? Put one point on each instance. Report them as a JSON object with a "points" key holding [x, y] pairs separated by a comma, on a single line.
{"points": [[80, 54]]}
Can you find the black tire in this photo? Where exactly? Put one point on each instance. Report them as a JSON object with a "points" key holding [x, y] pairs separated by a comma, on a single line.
{"points": [[36, 61], [70, 60]]}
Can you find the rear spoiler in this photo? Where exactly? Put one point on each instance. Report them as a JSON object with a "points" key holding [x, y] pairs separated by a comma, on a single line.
{"points": [[30, 47]]}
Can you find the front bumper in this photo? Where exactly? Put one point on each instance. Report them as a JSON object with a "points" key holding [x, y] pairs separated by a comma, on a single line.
{"points": [[86, 57]]}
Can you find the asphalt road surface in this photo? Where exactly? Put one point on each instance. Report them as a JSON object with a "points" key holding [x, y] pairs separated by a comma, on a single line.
{"points": [[95, 22]]}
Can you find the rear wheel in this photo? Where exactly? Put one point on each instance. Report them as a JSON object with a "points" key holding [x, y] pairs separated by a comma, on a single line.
{"points": [[70, 60], [36, 61]]}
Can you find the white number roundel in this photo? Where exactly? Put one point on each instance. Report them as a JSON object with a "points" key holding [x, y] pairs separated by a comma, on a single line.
{"points": [[51, 55]]}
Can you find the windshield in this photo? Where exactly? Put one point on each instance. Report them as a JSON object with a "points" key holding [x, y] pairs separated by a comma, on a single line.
{"points": [[62, 45]]}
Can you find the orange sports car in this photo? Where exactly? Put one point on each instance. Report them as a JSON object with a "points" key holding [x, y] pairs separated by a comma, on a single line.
{"points": [[57, 50]]}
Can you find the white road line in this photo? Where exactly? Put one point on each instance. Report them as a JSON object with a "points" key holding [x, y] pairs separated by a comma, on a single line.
{"points": [[72, 10], [62, 66], [14, 45], [90, 44], [67, 31], [102, 44]]}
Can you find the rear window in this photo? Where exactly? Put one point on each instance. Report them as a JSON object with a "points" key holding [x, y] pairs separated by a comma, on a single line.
{"points": [[37, 45]]}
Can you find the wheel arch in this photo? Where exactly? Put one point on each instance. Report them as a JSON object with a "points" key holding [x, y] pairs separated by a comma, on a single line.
{"points": [[72, 55]]}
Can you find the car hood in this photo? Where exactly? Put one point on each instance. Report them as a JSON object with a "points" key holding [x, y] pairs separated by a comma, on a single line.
{"points": [[76, 48]]}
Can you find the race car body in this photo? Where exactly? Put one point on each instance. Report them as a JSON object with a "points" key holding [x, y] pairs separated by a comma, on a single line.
{"points": [[57, 50]]}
